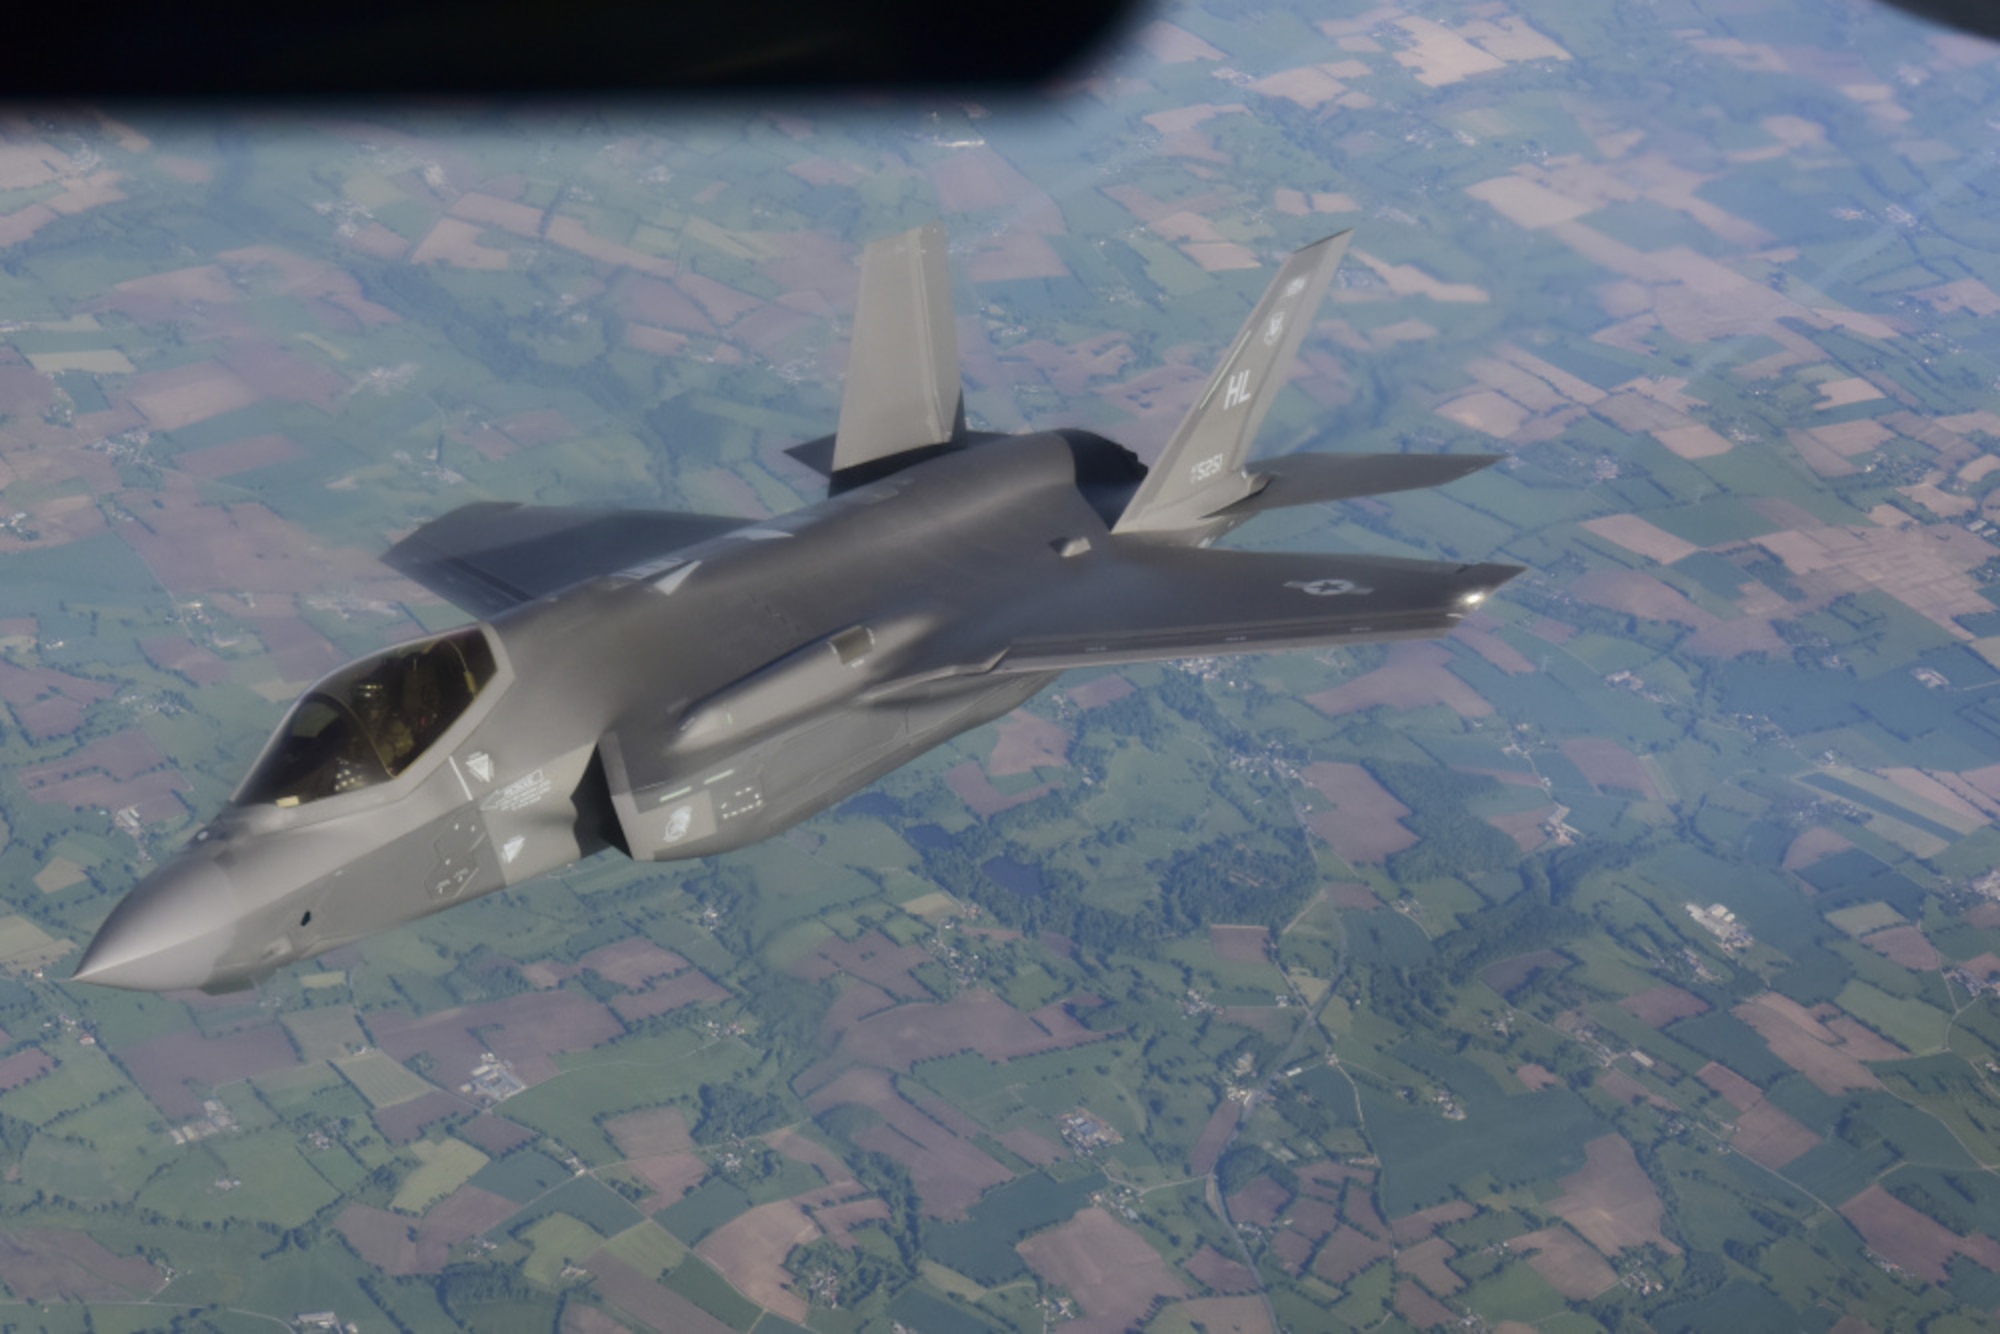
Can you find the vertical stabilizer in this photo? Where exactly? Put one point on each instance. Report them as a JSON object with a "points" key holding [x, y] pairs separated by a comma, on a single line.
{"points": [[902, 390], [1201, 470]]}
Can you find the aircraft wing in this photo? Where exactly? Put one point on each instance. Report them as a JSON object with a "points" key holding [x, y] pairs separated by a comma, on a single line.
{"points": [[490, 556], [1145, 602]]}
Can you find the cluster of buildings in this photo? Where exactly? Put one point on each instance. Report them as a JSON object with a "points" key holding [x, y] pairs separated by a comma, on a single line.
{"points": [[1084, 1132], [215, 1119], [493, 1080], [1721, 923]]}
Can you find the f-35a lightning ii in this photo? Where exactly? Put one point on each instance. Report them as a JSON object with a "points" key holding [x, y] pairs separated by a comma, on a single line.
{"points": [[678, 685]]}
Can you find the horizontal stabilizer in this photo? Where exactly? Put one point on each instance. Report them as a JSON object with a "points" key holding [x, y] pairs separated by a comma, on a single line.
{"points": [[490, 556], [902, 392], [1147, 602], [1311, 479]]}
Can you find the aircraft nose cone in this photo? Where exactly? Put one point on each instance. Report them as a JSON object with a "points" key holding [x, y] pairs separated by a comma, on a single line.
{"points": [[167, 934]]}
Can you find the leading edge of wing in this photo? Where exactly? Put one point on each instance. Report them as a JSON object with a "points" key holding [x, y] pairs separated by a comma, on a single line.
{"points": [[1149, 603], [493, 555]]}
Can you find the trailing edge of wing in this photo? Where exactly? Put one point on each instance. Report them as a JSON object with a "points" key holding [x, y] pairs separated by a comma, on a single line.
{"points": [[902, 391], [490, 556], [1148, 602]]}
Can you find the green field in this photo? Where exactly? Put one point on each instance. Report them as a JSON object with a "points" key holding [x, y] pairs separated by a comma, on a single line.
{"points": [[83, 1075], [558, 1241], [378, 1078], [702, 1211], [982, 1247], [521, 1176], [1911, 1024], [622, 1076], [442, 1168], [648, 1248], [693, 1279], [1740, 304]]}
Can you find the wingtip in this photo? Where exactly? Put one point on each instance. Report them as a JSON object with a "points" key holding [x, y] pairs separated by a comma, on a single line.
{"points": [[1339, 239]]}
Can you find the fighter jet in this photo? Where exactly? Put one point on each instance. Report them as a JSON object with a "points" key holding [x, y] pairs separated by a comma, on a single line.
{"points": [[678, 685]]}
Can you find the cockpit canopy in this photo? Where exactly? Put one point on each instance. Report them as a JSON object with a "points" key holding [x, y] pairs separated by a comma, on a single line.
{"points": [[370, 721]]}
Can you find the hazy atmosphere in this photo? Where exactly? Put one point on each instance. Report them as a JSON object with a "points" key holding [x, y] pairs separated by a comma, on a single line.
{"points": [[1624, 961]]}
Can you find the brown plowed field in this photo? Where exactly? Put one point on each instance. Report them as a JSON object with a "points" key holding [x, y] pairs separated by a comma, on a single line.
{"points": [[1426, 1261], [178, 1069], [1916, 1241], [1362, 824], [1608, 764], [1214, 1137], [226, 460], [657, 1307], [654, 1131], [1104, 690], [872, 957], [1357, 897], [970, 1021], [1415, 676], [1635, 534], [1829, 1068], [1220, 1272], [1241, 944], [1027, 742], [1611, 1201], [24, 1066], [1630, 1091], [976, 790], [1571, 1267], [1771, 1138], [950, 1173], [632, 963], [1261, 1203], [1738, 1091], [1422, 1310], [688, 988], [1110, 1269], [750, 1249], [1906, 945], [671, 1175], [1412, 1228], [58, 1265], [1526, 828], [837, 1220], [1811, 846], [1347, 1253]]}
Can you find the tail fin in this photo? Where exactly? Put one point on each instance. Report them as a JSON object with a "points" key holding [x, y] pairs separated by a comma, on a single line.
{"points": [[902, 390], [1202, 469]]}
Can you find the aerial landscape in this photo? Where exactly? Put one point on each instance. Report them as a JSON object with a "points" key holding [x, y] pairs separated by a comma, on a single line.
{"points": [[1624, 961]]}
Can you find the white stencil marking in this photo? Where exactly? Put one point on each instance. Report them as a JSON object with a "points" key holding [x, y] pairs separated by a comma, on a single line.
{"points": [[1328, 588], [519, 794], [1237, 391]]}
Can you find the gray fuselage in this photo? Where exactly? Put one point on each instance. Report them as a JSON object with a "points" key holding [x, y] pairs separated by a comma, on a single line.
{"points": [[677, 685], [679, 709]]}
